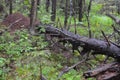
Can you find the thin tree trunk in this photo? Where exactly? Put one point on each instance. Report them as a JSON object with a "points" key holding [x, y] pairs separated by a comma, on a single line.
{"points": [[70, 14], [118, 6], [53, 14], [71, 8], [47, 5], [74, 7], [88, 20], [80, 10], [33, 14], [66, 14], [61, 4], [10, 7]]}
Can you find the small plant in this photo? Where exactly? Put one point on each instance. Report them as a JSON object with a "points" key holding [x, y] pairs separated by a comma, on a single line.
{"points": [[13, 47]]}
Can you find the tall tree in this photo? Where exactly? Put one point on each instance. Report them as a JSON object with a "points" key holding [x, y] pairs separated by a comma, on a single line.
{"points": [[47, 5], [71, 8], [66, 14], [10, 6], [80, 9], [75, 6], [118, 6], [88, 20], [1, 8], [33, 13], [61, 4], [53, 14]]}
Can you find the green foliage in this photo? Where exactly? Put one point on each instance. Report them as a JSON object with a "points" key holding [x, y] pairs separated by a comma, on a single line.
{"points": [[10, 46], [44, 16], [15, 46], [96, 8], [100, 21], [72, 75], [2, 61], [20, 42]]}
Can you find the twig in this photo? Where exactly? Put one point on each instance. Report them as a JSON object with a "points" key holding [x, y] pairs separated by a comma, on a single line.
{"points": [[87, 16], [69, 68], [116, 19], [116, 30], [102, 69], [75, 25], [10, 26], [106, 38]]}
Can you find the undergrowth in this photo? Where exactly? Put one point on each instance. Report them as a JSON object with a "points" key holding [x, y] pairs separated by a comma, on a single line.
{"points": [[24, 57]]}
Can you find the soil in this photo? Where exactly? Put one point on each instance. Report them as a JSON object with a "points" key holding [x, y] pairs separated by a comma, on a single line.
{"points": [[18, 21]]}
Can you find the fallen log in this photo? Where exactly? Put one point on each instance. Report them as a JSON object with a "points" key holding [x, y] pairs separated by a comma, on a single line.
{"points": [[105, 72], [98, 46], [90, 44]]}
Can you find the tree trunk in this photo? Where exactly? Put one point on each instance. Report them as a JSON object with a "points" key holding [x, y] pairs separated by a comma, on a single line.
{"points": [[10, 7], [47, 5], [61, 4], [89, 44], [71, 8], [80, 10], [33, 14], [66, 14], [88, 20], [118, 6], [53, 14]]}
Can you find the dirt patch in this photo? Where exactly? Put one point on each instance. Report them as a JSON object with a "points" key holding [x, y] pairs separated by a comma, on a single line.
{"points": [[17, 21]]}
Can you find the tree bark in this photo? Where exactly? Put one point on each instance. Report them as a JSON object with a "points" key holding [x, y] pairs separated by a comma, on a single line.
{"points": [[105, 72], [53, 14], [33, 14], [97, 46], [10, 6], [47, 5], [66, 14], [80, 10]]}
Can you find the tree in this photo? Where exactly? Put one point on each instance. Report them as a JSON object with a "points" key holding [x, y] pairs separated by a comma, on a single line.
{"points": [[118, 6], [80, 9], [53, 13], [10, 6], [33, 13], [66, 14], [47, 5]]}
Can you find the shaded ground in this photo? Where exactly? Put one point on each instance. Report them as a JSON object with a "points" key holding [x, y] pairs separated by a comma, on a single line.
{"points": [[17, 21]]}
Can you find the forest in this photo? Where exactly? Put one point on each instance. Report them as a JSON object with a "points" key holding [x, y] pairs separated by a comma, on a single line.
{"points": [[59, 39]]}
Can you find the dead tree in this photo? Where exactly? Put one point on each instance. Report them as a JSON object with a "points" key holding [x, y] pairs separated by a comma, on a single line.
{"points": [[90, 45]]}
